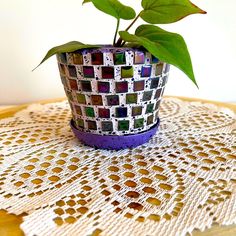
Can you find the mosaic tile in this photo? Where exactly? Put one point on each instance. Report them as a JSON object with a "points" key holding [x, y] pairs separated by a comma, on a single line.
{"points": [[88, 71], [107, 126], [104, 113], [64, 81], [150, 120], [78, 110], [137, 111], [72, 71], [69, 95], [86, 86], [80, 123], [92, 124], [157, 105], [122, 87], [77, 58], [96, 100], [127, 72], [73, 84], [123, 125], [139, 58], [154, 83], [159, 69], [158, 93], [119, 58], [62, 69], [164, 81], [81, 98], [146, 71], [62, 58], [138, 123], [167, 68], [121, 112], [108, 72], [89, 111], [131, 98], [97, 58], [139, 85], [103, 87], [147, 95], [156, 116], [112, 100], [150, 108], [154, 59]]}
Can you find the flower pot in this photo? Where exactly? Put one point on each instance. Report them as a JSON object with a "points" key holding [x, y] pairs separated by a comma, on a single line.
{"points": [[114, 95]]}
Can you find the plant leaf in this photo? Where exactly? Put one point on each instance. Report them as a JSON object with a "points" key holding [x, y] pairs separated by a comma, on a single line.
{"points": [[168, 47], [67, 47], [114, 8], [86, 1], [167, 11]]}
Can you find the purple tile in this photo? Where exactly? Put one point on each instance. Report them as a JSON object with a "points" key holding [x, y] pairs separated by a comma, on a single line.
{"points": [[112, 100], [122, 87], [108, 72], [88, 71], [103, 87], [146, 71], [104, 113]]}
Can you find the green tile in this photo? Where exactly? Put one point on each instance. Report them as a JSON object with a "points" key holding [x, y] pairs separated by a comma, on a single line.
{"points": [[138, 123], [89, 112], [127, 72], [131, 98], [119, 58], [123, 125], [80, 123], [150, 108], [81, 98]]}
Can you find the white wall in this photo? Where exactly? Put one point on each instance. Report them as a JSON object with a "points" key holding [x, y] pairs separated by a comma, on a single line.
{"points": [[28, 28]]}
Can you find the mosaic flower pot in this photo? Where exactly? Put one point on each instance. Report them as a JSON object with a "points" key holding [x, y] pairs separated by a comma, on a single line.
{"points": [[114, 95]]}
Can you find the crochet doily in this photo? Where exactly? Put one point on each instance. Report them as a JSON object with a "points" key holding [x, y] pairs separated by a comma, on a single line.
{"points": [[184, 178]]}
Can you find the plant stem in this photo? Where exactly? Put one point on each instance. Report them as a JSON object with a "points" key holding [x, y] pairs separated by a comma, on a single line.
{"points": [[132, 23], [117, 28], [119, 41]]}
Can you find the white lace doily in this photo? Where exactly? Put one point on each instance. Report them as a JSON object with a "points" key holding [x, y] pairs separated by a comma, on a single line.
{"points": [[184, 178]]}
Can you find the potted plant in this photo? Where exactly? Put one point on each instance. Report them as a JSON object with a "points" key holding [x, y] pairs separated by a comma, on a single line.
{"points": [[114, 91]]}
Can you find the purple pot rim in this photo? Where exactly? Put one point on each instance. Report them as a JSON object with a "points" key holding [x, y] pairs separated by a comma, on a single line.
{"points": [[108, 48], [114, 142]]}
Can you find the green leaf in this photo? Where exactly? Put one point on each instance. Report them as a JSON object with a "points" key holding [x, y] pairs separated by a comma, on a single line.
{"points": [[86, 1], [115, 9], [168, 47], [67, 47], [167, 11]]}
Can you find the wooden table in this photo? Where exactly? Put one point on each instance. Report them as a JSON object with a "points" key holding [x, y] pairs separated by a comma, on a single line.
{"points": [[10, 224]]}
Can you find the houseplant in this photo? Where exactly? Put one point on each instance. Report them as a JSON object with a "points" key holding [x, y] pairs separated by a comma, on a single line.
{"points": [[115, 90]]}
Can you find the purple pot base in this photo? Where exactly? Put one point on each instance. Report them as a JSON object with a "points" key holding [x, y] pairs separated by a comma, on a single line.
{"points": [[114, 142]]}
